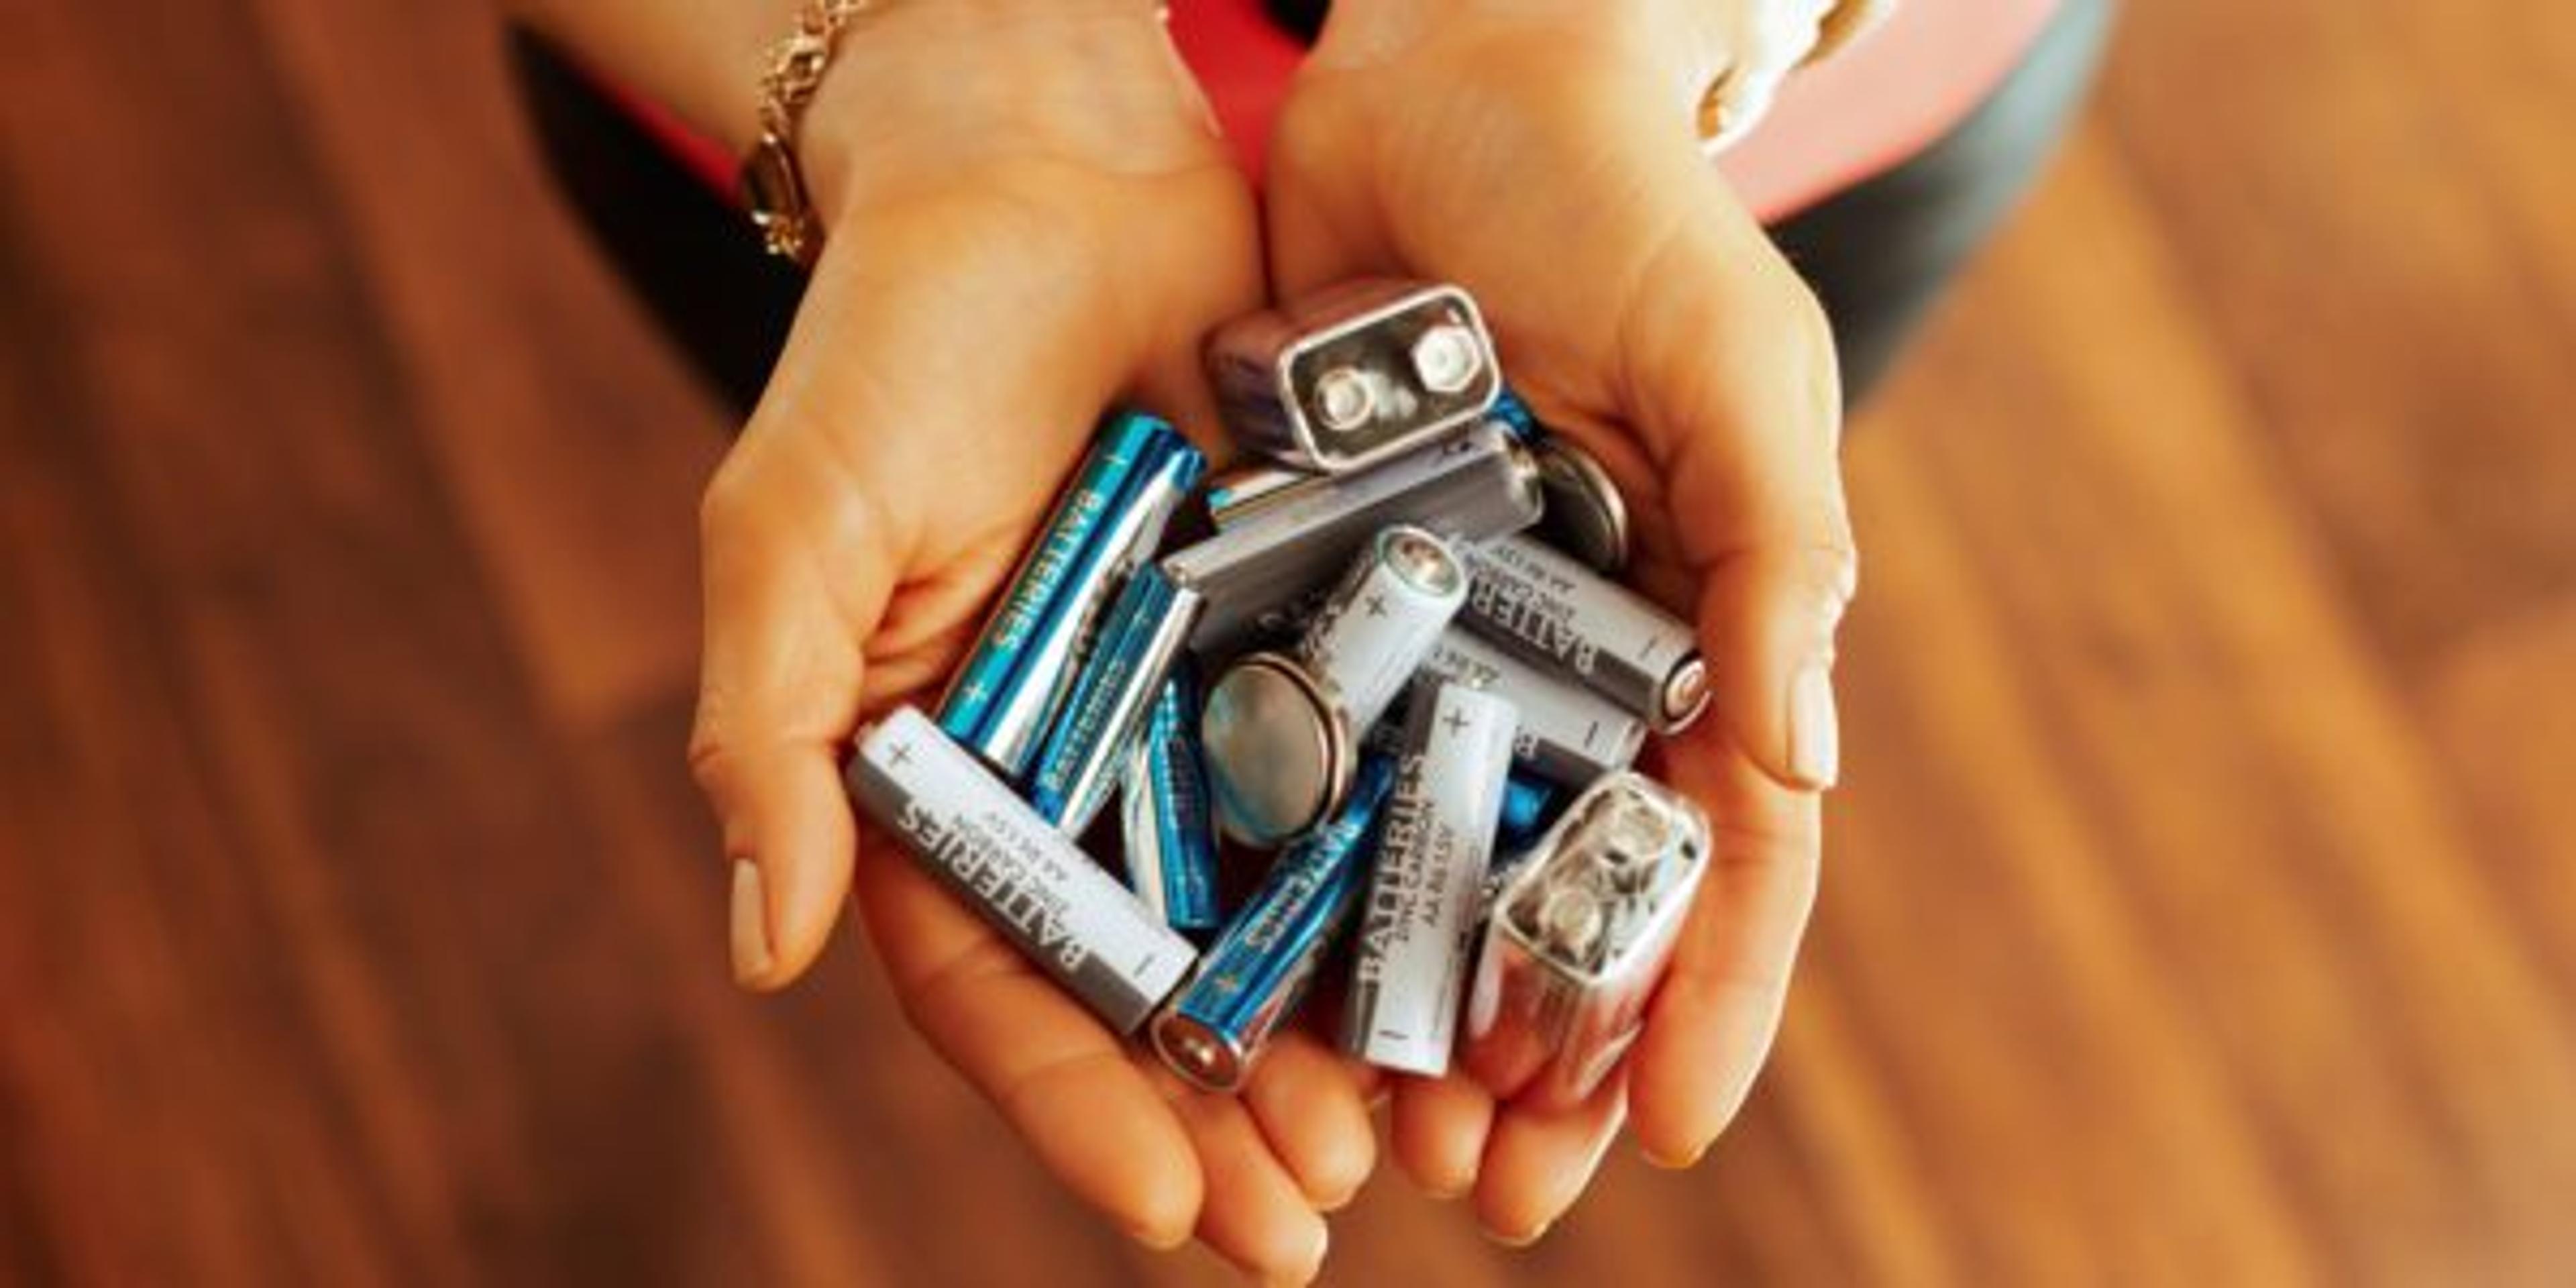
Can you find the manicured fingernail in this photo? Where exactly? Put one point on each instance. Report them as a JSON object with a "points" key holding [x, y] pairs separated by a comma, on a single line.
{"points": [[1160, 1240], [1314, 1265], [1675, 1162], [751, 955], [1815, 743]]}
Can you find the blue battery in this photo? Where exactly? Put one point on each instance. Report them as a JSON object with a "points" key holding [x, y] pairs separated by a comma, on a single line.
{"points": [[1022, 666], [1256, 972], [1529, 805], [1169, 820], [1079, 516], [1146, 631]]}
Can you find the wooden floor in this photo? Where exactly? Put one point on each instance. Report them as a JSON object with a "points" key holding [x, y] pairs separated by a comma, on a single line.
{"points": [[2202, 907]]}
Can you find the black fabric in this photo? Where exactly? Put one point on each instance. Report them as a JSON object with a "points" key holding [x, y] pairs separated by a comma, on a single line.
{"points": [[688, 255], [1878, 254]]}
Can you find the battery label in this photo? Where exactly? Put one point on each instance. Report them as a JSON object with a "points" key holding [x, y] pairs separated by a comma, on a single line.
{"points": [[965, 827], [1435, 840]]}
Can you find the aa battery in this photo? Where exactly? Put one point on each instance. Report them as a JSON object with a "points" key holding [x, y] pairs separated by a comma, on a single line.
{"points": [[1168, 818], [1577, 939], [1587, 515], [1550, 610], [1022, 665], [1255, 572], [1145, 632], [1032, 884], [1259, 967], [1279, 729], [1568, 734], [1435, 837], [1349, 376]]}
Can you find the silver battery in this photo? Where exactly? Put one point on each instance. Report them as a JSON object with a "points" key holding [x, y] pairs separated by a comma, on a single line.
{"points": [[1578, 938], [1255, 573], [968, 829], [1551, 611], [1568, 734], [1244, 490], [1279, 730], [1146, 631], [1267, 715], [1587, 516], [1435, 838], [1348, 376]]}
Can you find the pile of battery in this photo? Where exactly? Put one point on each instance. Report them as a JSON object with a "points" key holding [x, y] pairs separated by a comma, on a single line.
{"points": [[1391, 657]]}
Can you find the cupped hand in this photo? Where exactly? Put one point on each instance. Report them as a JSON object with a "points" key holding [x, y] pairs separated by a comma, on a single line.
{"points": [[1543, 154], [1027, 219]]}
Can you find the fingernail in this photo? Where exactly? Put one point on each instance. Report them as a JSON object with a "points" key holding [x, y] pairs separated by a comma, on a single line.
{"points": [[1519, 1240], [1675, 1162], [1314, 1265], [751, 956], [1815, 744], [1160, 1240], [1451, 1190]]}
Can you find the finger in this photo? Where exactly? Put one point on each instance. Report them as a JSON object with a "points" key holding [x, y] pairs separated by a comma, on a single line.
{"points": [[1312, 1109], [1729, 373], [1438, 1131], [1064, 1083], [1538, 1164], [1711, 1024], [778, 698], [1255, 1215]]}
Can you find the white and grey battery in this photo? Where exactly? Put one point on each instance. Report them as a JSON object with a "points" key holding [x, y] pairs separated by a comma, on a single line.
{"points": [[1025, 879], [1435, 837], [1280, 731], [1258, 575], [1551, 610], [1568, 734]]}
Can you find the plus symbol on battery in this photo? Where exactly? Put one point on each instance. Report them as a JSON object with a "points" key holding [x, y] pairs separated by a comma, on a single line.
{"points": [[1457, 722], [901, 755], [1376, 605], [976, 692]]}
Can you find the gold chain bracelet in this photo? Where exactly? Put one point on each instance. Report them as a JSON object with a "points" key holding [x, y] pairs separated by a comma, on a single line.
{"points": [[773, 186], [772, 182]]}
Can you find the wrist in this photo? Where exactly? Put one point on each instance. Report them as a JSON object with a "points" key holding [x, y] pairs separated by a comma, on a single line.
{"points": [[1676, 46], [926, 94]]}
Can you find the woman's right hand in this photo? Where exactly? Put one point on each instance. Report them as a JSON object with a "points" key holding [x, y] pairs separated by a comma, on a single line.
{"points": [[1028, 217]]}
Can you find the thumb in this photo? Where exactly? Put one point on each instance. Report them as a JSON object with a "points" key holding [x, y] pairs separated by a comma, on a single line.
{"points": [[1729, 366]]}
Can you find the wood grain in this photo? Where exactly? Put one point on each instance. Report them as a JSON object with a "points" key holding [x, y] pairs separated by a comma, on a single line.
{"points": [[2202, 904]]}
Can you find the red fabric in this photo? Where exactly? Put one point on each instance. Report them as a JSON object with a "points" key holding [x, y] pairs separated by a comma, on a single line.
{"points": [[1868, 108]]}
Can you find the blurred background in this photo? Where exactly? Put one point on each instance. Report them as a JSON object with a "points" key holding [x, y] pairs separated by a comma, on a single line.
{"points": [[2202, 900]]}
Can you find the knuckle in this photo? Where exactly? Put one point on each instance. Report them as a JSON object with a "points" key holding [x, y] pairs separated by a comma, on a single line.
{"points": [[1833, 570], [725, 501]]}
